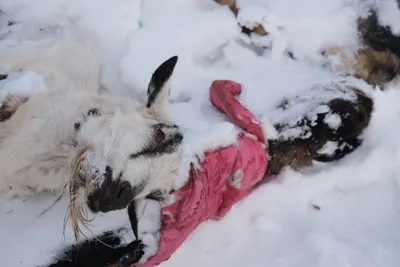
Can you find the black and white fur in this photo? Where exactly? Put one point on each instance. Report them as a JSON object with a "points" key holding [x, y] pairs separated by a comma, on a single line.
{"points": [[134, 147]]}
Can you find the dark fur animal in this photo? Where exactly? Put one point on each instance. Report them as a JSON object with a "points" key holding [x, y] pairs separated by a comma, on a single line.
{"points": [[378, 62], [300, 152], [95, 253], [107, 249]]}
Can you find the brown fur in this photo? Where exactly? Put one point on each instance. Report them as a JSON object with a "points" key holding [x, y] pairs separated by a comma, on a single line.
{"points": [[376, 67], [10, 105], [293, 153], [300, 152], [377, 62], [230, 3], [373, 66], [259, 29]]}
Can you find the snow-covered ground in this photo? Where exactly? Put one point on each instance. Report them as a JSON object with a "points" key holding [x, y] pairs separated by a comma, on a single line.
{"points": [[344, 214]]}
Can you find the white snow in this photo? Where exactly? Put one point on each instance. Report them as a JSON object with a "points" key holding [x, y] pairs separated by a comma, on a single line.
{"points": [[389, 14], [333, 121], [329, 148], [332, 215], [25, 82], [149, 225]]}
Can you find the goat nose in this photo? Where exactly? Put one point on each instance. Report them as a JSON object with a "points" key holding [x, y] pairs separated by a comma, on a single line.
{"points": [[111, 195], [124, 195]]}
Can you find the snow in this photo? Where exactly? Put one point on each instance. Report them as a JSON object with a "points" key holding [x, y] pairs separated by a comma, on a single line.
{"points": [[339, 214], [329, 148], [149, 233], [25, 82], [333, 121], [391, 15]]}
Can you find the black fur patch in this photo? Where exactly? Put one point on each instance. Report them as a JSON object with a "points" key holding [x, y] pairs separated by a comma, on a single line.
{"points": [[93, 112], [167, 146], [246, 30], [5, 114], [345, 147], [112, 194], [77, 126], [299, 152], [10, 105], [94, 253], [139, 188], [354, 116], [156, 195], [162, 125], [377, 36], [159, 78]]}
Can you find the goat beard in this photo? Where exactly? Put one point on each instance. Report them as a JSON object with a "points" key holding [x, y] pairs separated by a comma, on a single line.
{"points": [[77, 210]]}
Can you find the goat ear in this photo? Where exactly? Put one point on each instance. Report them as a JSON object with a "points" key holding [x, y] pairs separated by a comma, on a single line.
{"points": [[160, 86]]}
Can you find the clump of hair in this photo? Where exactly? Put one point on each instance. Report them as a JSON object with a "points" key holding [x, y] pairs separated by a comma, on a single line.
{"points": [[10, 105], [76, 210], [378, 62]]}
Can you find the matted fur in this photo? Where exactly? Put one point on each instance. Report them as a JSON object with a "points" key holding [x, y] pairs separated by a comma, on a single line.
{"points": [[77, 210], [66, 56], [10, 105], [38, 141]]}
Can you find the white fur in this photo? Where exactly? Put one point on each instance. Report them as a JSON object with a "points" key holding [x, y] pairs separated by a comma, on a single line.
{"points": [[38, 143], [149, 214], [66, 56]]}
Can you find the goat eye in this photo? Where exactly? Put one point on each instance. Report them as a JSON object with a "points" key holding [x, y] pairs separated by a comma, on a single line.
{"points": [[160, 136]]}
